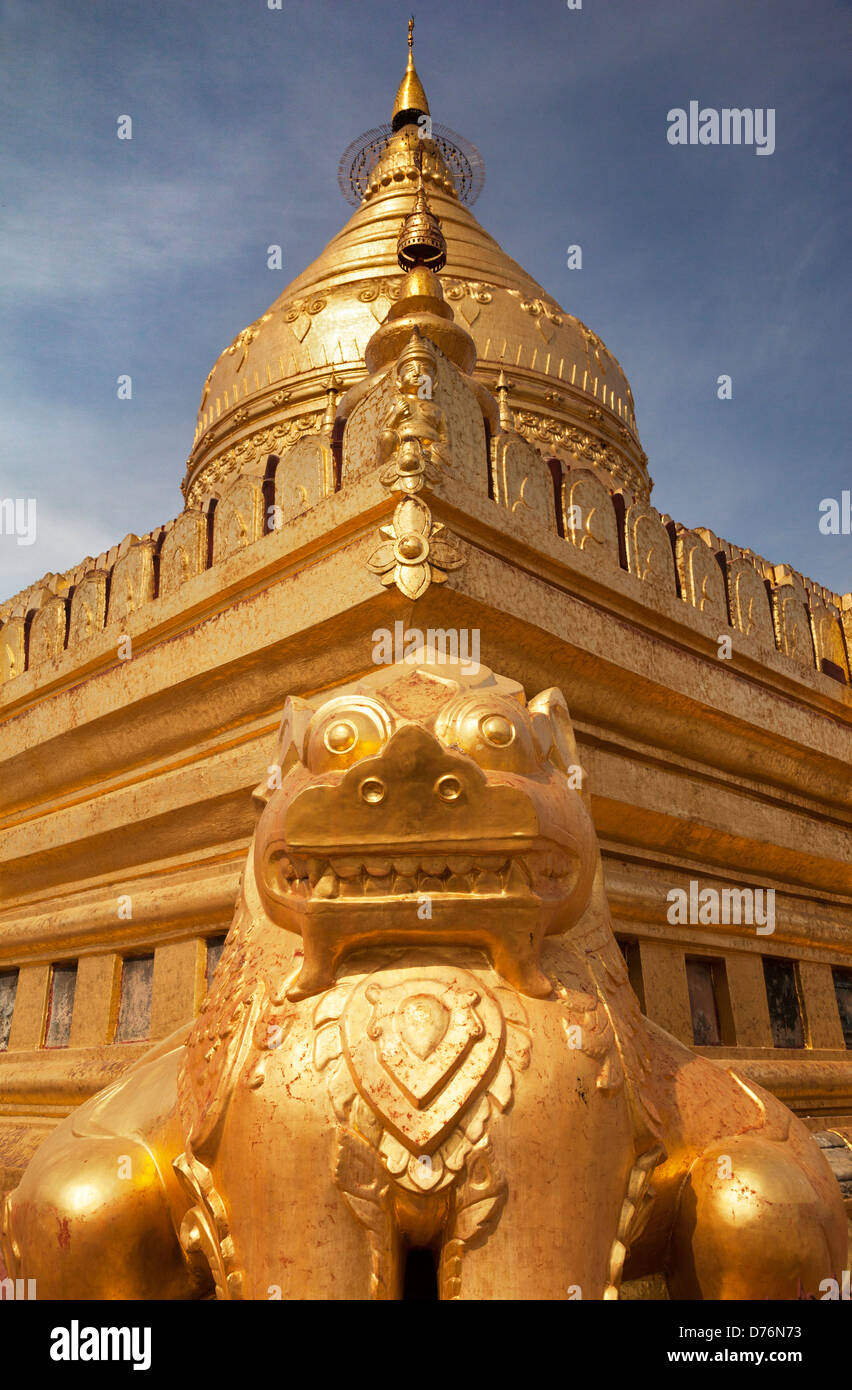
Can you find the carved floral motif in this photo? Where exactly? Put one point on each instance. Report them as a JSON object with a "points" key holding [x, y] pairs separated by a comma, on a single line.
{"points": [[300, 313], [539, 308], [244, 339], [415, 554]]}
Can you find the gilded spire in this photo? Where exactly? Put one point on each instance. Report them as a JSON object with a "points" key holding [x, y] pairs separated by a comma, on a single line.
{"points": [[410, 99]]}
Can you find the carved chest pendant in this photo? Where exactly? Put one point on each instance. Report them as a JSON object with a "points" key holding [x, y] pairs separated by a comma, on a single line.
{"points": [[416, 1060]]}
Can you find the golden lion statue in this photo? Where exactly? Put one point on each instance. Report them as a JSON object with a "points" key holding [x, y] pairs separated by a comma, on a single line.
{"points": [[421, 1038]]}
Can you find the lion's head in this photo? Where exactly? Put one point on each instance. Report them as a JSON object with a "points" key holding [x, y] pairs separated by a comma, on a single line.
{"points": [[424, 805]]}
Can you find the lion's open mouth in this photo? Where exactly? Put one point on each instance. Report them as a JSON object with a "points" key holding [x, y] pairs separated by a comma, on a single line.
{"points": [[547, 873]]}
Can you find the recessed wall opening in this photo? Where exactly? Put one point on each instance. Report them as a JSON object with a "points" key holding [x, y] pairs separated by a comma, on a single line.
{"points": [[830, 668], [709, 1002], [60, 1006], [629, 948], [556, 477], [843, 991], [337, 452], [783, 996], [268, 490], [134, 1010], [215, 946], [8, 990], [420, 1276]]}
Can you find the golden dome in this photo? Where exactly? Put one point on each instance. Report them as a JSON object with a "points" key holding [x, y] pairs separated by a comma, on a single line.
{"points": [[567, 394]]}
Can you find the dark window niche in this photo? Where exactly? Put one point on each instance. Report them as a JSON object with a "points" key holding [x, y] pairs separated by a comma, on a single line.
{"points": [[782, 996], [60, 1004], [215, 945], [8, 990], [632, 959], [134, 1010], [709, 1002], [843, 990]]}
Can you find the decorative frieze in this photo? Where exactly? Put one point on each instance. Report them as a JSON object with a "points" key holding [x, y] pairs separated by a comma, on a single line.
{"points": [[238, 519], [48, 630], [701, 581], [183, 553], [88, 607], [790, 616], [303, 478], [648, 546], [132, 581], [248, 454], [588, 515], [520, 480]]}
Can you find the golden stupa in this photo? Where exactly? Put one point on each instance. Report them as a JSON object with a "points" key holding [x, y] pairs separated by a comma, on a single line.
{"points": [[568, 390], [519, 950]]}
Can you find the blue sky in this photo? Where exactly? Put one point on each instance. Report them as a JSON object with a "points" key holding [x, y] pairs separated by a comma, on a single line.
{"points": [[147, 256]]}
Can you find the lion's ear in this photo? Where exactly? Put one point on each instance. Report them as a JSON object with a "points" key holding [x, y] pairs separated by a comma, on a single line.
{"points": [[553, 729], [291, 735], [288, 749], [555, 735]]}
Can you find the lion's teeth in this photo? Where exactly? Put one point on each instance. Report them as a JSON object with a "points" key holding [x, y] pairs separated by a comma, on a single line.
{"points": [[376, 886], [343, 875], [316, 869], [460, 863], [458, 883], [326, 886], [407, 866], [514, 879], [377, 868], [346, 868]]}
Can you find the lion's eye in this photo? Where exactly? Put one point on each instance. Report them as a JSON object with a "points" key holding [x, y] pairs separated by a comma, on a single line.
{"points": [[340, 737], [344, 731], [496, 730]]}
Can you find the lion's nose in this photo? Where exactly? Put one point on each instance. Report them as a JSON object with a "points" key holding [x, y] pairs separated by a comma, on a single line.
{"points": [[372, 790], [448, 787], [416, 764]]}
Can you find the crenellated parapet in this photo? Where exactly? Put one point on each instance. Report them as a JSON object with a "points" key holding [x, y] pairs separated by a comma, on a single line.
{"points": [[532, 491]]}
